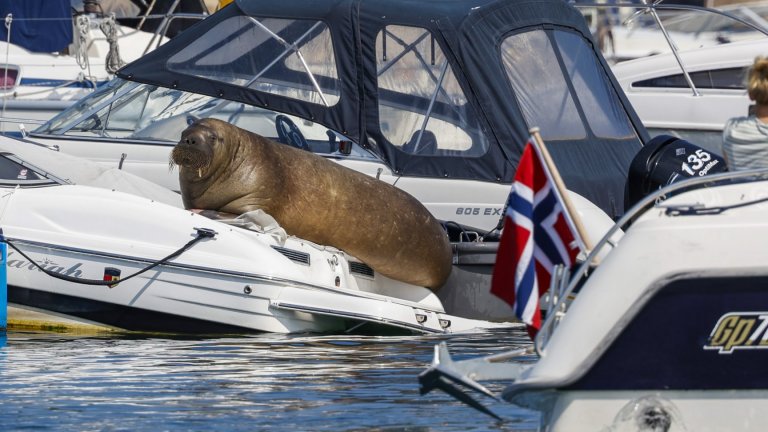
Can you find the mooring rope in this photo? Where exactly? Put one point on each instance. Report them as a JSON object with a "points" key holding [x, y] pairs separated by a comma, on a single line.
{"points": [[113, 62], [82, 22]]}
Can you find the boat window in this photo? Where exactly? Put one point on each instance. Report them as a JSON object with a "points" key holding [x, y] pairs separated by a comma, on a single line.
{"points": [[14, 171], [605, 114], [541, 89], [422, 107], [727, 79], [531, 63], [288, 57]]}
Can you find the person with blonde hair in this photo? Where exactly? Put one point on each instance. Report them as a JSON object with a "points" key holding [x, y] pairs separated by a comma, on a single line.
{"points": [[745, 139]]}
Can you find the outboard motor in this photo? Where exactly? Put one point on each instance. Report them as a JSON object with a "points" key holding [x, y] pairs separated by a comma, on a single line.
{"points": [[664, 160]]}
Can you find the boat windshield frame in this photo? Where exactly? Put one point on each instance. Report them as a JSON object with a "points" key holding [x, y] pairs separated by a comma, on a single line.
{"points": [[183, 108]]}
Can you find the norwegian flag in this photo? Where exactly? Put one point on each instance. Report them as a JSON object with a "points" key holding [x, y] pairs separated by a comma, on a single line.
{"points": [[537, 235]]}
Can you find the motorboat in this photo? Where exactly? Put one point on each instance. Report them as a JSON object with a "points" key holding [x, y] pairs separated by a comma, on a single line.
{"points": [[409, 98], [697, 111], [103, 246], [54, 52], [665, 332]]}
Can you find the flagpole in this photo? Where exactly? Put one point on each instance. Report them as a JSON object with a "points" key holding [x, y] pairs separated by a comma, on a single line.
{"points": [[560, 189]]}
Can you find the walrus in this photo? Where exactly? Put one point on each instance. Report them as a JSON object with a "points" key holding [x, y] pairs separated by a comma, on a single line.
{"points": [[231, 170]]}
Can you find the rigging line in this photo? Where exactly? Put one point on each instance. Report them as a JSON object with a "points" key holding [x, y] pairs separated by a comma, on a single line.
{"points": [[8, 21]]}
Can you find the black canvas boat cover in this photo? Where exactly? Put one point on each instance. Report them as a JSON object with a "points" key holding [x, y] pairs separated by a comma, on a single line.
{"points": [[438, 88]]}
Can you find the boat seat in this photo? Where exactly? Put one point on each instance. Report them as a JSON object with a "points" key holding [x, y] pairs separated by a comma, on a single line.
{"points": [[426, 146]]}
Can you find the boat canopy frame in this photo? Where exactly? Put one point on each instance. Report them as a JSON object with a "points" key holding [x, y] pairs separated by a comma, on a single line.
{"points": [[456, 87]]}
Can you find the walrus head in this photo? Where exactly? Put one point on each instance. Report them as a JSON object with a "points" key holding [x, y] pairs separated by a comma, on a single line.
{"points": [[195, 149], [218, 164]]}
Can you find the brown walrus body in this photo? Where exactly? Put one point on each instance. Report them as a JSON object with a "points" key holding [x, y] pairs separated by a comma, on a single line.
{"points": [[225, 168]]}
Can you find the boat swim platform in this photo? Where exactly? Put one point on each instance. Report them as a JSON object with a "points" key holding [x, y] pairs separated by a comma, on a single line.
{"points": [[32, 320]]}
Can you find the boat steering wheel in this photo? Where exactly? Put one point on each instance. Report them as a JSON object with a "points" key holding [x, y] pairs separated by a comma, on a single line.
{"points": [[289, 133]]}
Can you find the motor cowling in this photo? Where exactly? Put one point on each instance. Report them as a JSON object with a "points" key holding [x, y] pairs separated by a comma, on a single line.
{"points": [[665, 160]]}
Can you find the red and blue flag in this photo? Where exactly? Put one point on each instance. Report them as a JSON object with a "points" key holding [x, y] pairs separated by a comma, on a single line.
{"points": [[537, 236]]}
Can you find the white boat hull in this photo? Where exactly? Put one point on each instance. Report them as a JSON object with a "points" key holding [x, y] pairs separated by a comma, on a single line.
{"points": [[236, 281]]}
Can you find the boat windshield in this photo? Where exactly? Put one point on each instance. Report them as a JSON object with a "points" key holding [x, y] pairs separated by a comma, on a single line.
{"points": [[543, 90], [16, 172], [422, 108], [128, 111]]}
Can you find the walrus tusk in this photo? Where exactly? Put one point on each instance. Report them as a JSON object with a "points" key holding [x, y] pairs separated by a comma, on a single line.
{"points": [[199, 172]]}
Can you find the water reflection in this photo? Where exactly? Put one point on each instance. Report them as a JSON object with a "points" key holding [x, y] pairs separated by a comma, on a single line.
{"points": [[263, 382]]}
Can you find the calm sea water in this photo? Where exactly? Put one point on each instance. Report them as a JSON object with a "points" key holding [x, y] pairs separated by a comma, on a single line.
{"points": [[63, 382]]}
